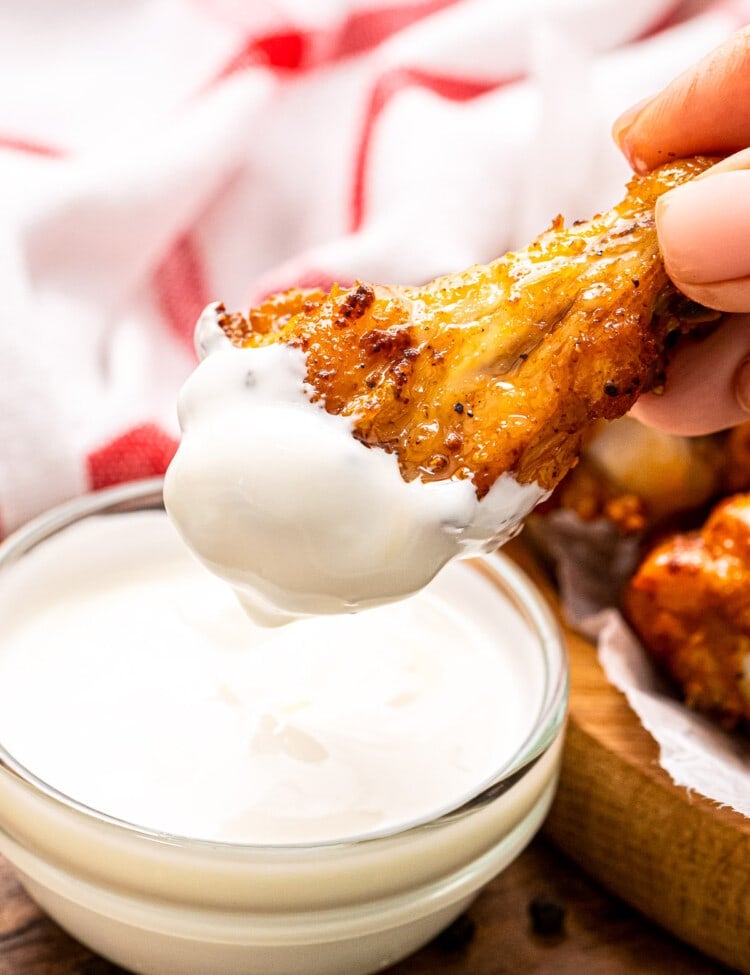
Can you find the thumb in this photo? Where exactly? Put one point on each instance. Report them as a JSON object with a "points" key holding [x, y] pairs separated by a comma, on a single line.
{"points": [[704, 235]]}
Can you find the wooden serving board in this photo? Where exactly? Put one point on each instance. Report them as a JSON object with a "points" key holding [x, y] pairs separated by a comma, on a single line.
{"points": [[675, 856]]}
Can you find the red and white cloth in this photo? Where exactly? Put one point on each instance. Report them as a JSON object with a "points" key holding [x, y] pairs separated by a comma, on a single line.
{"points": [[159, 154]]}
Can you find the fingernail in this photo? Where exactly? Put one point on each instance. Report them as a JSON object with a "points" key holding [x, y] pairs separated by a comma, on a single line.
{"points": [[625, 123], [704, 228], [742, 384]]}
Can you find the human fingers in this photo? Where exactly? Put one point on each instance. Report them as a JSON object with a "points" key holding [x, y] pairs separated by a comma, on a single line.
{"points": [[708, 384], [704, 235], [704, 110]]}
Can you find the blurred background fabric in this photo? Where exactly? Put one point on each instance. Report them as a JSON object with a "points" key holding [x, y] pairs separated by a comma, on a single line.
{"points": [[156, 155]]}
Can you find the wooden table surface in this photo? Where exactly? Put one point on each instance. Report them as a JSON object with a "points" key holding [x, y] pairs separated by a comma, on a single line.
{"points": [[601, 936]]}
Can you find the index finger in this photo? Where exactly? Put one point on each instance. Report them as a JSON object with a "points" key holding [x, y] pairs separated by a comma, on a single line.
{"points": [[704, 110]]}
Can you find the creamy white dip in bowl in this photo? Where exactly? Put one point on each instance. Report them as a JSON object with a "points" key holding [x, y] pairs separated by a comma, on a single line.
{"points": [[394, 764]]}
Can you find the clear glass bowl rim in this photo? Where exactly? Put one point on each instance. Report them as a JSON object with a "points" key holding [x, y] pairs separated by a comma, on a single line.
{"points": [[525, 596]]}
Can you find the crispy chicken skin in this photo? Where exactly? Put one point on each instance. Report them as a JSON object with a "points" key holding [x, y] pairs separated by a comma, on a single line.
{"points": [[690, 604], [503, 367]]}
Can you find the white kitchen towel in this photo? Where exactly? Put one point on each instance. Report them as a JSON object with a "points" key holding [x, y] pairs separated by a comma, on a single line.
{"points": [[159, 154]]}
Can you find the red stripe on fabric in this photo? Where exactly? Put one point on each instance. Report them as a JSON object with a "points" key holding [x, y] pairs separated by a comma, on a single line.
{"points": [[389, 85], [452, 88], [673, 14], [33, 148], [285, 51], [738, 10], [364, 29], [300, 50], [143, 451], [181, 287]]}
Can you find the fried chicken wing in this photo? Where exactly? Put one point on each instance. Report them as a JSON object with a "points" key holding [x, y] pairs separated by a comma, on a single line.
{"points": [[501, 368], [637, 477], [690, 604]]}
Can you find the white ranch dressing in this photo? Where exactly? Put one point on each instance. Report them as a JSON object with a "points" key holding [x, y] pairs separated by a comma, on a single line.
{"points": [[166, 707], [279, 499]]}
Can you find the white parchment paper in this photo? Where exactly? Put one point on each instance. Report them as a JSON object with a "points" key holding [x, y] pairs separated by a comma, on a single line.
{"points": [[592, 564]]}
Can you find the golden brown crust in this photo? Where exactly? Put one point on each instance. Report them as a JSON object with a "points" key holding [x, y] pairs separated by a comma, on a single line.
{"points": [[501, 367], [690, 604]]}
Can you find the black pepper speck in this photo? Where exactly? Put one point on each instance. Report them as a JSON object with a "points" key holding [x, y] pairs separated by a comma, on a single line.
{"points": [[547, 916]]}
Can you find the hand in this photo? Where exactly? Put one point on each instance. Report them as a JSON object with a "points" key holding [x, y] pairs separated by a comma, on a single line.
{"points": [[704, 232]]}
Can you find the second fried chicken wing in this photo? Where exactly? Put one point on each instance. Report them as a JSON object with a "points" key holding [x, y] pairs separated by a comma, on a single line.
{"points": [[637, 477], [690, 604]]}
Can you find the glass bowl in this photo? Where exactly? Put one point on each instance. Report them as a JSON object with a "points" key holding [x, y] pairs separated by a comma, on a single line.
{"points": [[161, 904]]}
